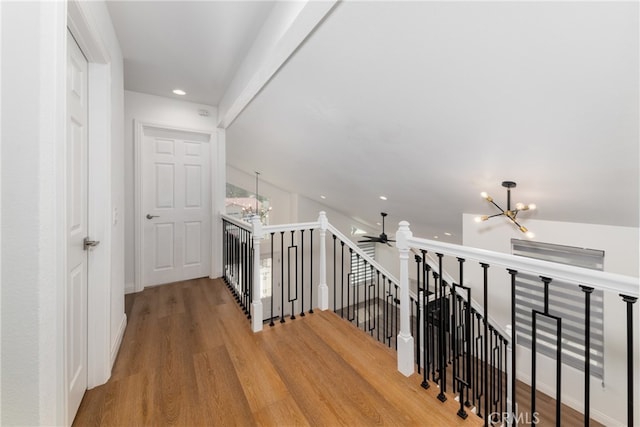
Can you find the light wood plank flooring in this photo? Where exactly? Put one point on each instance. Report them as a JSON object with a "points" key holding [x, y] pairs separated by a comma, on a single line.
{"points": [[188, 358]]}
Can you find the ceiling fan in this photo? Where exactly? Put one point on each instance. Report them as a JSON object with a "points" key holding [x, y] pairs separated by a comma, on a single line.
{"points": [[382, 238]]}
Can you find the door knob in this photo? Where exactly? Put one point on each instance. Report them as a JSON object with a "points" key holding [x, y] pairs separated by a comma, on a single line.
{"points": [[87, 244], [149, 216]]}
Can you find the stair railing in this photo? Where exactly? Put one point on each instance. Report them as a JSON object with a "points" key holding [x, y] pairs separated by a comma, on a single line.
{"points": [[479, 383]]}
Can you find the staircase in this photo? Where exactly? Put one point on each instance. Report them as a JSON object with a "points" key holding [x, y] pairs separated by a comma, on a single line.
{"points": [[439, 329]]}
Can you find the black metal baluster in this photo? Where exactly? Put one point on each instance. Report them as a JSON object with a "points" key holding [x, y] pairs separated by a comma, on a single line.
{"points": [[311, 271], [349, 286], [396, 302], [272, 295], [373, 303], [426, 269], [630, 301], [479, 371], [334, 276], [587, 353], [292, 300], [282, 277], [416, 331], [301, 273], [485, 368], [433, 311], [390, 313], [342, 281], [454, 339], [474, 359], [250, 273], [463, 385], [546, 281], [418, 289], [442, 346], [502, 371], [356, 291], [513, 274], [377, 305], [425, 320], [493, 385]]}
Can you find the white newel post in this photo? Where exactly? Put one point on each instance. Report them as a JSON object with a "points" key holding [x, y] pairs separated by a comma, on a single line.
{"points": [[256, 304], [406, 362], [323, 289]]}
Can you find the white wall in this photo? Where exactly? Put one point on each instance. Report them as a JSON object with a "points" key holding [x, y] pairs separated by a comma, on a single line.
{"points": [[33, 53], [620, 245], [163, 111]]}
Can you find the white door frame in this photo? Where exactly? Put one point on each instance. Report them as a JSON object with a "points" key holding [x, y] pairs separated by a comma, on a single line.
{"points": [[138, 190], [99, 360]]}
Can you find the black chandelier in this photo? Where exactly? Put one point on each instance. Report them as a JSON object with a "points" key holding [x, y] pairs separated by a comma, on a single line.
{"points": [[509, 213]]}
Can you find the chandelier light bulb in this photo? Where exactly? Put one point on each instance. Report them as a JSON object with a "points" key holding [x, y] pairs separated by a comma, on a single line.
{"points": [[532, 206], [529, 234], [484, 195], [520, 206]]}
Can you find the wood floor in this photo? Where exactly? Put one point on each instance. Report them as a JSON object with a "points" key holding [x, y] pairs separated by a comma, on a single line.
{"points": [[188, 358]]}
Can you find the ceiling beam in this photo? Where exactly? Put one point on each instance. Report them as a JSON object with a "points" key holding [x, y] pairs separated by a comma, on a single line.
{"points": [[286, 28]]}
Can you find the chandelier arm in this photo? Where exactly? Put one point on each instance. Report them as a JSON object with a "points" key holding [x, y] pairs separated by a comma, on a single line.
{"points": [[516, 223], [496, 205], [494, 215]]}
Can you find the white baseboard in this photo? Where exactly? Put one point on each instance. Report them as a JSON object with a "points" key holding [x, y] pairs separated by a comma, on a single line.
{"points": [[129, 288], [118, 341]]}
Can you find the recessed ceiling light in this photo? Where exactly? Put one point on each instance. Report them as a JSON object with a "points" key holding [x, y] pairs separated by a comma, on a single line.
{"points": [[446, 233], [323, 197], [179, 92], [383, 197], [435, 237]]}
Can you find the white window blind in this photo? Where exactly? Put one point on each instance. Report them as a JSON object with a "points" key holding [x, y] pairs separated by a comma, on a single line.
{"points": [[566, 300], [360, 270]]}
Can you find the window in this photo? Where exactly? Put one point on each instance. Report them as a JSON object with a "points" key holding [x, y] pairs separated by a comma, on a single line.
{"points": [[566, 300], [361, 271], [242, 204]]}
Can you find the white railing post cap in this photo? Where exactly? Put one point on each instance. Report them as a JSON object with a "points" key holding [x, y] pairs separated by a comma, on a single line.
{"points": [[403, 235], [322, 219]]}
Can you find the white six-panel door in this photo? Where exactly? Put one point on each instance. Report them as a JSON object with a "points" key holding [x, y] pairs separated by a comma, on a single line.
{"points": [[176, 205], [76, 228]]}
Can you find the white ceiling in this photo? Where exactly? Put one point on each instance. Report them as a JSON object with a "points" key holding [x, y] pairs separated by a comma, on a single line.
{"points": [[428, 103], [195, 46]]}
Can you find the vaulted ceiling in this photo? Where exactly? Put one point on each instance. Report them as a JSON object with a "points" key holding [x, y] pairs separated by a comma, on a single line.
{"points": [[426, 103]]}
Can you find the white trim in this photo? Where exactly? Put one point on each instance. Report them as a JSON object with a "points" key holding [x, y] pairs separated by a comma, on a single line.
{"points": [[236, 221], [616, 283], [129, 287], [218, 195], [0, 214], [83, 29], [139, 127], [119, 335]]}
